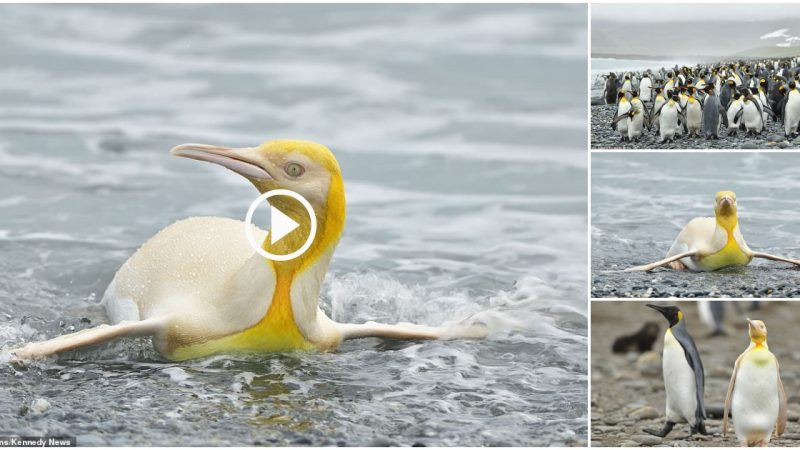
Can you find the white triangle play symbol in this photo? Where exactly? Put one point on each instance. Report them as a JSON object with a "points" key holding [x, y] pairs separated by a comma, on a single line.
{"points": [[281, 225]]}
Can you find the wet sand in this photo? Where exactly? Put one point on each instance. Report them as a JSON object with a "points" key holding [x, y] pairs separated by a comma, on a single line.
{"points": [[628, 390]]}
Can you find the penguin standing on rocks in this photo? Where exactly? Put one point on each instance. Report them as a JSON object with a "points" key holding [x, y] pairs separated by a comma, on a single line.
{"points": [[727, 92], [645, 91], [775, 100], [658, 102], [610, 91], [712, 112], [618, 123], [751, 113], [756, 398], [669, 115], [694, 113], [791, 111], [734, 123], [684, 380]]}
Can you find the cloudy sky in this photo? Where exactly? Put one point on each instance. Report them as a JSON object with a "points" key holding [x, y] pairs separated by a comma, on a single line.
{"points": [[696, 12], [696, 30]]}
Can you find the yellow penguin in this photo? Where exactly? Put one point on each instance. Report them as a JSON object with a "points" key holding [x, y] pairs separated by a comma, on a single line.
{"points": [[198, 287], [756, 397], [711, 243]]}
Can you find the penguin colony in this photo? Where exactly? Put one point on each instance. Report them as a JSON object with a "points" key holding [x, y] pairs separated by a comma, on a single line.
{"points": [[704, 101], [755, 399]]}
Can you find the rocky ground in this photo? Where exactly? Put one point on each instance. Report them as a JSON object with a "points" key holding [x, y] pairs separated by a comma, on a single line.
{"points": [[605, 137], [761, 279], [628, 391]]}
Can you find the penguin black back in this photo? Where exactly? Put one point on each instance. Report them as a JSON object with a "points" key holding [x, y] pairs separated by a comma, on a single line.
{"points": [[677, 326]]}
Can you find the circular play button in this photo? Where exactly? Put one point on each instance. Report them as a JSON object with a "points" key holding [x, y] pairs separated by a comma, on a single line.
{"points": [[281, 224]]}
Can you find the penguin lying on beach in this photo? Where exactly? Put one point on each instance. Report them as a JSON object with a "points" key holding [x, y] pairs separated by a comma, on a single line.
{"points": [[711, 243]]}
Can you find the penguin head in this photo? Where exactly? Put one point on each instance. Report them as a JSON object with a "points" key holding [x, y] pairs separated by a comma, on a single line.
{"points": [[621, 94], [673, 314], [307, 168], [757, 331], [725, 209]]}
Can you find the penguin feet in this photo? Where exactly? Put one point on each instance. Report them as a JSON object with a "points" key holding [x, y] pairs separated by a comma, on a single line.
{"points": [[700, 427], [662, 432], [677, 265]]}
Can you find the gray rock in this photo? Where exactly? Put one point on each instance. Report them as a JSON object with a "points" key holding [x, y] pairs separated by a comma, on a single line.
{"points": [[628, 444], [645, 413], [646, 439], [649, 364]]}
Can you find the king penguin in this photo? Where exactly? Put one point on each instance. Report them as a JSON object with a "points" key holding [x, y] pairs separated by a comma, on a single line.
{"points": [[756, 398], [684, 380], [711, 243], [198, 287]]}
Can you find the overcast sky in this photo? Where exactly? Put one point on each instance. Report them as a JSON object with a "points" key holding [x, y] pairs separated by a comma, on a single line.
{"points": [[682, 12]]}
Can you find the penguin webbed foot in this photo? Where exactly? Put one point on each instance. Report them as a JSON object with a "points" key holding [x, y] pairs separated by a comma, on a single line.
{"points": [[700, 428], [677, 265], [662, 432]]}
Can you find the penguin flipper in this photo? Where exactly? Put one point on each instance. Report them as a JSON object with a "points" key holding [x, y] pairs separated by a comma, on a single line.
{"points": [[408, 331], [696, 364], [729, 396], [782, 107], [724, 116], [663, 262], [783, 413], [738, 115], [87, 337], [776, 258], [621, 118]]}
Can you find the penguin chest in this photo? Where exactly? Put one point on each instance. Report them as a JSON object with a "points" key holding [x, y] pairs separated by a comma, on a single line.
{"points": [[277, 331], [694, 113], [755, 402], [679, 382], [752, 118], [730, 255]]}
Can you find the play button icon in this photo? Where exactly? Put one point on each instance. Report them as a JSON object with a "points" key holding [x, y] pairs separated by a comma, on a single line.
{"points": [[281, 225]]}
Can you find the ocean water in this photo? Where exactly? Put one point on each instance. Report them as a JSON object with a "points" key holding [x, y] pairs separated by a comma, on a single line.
{"points": [[465, 180], [602, 66]]}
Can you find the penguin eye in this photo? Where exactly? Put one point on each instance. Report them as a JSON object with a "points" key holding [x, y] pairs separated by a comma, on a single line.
{"points": [[294, 169]]}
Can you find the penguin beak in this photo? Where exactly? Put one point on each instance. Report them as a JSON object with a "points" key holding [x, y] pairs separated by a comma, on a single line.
{"points": [[239, 160], [656, 307], [750, 323]]}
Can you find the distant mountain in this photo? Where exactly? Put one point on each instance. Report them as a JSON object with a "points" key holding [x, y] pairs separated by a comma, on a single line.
{"points": [[691, 40], [769, 52]]}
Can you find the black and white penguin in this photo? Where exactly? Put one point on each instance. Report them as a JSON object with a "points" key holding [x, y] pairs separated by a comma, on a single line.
{"points": [[684, 379]]}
